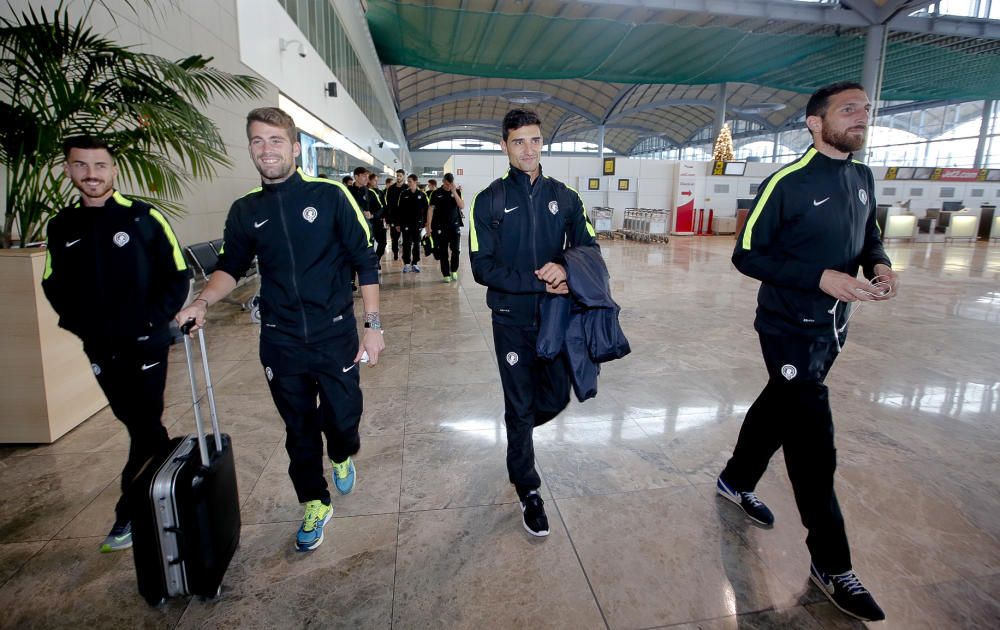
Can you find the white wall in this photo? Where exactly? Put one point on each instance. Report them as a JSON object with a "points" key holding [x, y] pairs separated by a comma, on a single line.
{"points": [[181, 28]]}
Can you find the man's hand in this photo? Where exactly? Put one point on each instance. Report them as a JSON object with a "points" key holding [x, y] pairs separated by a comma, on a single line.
{"points": [[552, 274], [884, 273], [559, 289], [844, 287], [195, 310], [373, 344]]}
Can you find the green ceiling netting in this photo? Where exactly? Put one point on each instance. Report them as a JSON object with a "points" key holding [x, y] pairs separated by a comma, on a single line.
{"points": [[528, 46]]}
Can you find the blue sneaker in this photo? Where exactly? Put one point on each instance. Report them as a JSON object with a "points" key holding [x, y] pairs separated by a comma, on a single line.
{"points": [[748, 502], [119, 538], [310, 533], [344, 476]]}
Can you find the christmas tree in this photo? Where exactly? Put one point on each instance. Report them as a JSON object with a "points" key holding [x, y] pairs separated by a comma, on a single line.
{"points": [[723, 150]]}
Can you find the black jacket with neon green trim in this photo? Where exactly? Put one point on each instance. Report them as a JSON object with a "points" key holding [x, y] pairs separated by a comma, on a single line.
{"points": [[814, 214], [115, 274], [518, 227], [310, 237]]}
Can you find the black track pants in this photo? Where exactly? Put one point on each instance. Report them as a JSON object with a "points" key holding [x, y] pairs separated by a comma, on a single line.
{"points": [[299, 376], [411, 245], [793, 412], [446, 241], [534, 392], [133, 382]]}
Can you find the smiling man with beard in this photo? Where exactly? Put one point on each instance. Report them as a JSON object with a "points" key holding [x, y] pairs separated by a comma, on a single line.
{"points": [[811, 229], [115, 275], [310, 238]]}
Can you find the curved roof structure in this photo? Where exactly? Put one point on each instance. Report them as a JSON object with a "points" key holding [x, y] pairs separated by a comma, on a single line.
{"points": [[655, 68]]}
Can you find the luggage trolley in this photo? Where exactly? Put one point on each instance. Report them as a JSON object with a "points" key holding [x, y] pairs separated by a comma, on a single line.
{"points": [[659, 225], [603, 221], [630, 227]]}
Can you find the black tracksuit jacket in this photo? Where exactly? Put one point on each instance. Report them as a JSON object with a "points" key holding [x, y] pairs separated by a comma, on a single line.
{"points": [[115, 274], [814, 214], [309, 236], [411, 210], [518, 227]]}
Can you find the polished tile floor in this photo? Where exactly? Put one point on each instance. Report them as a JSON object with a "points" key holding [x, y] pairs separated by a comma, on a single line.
{"points": [[432, 536]]}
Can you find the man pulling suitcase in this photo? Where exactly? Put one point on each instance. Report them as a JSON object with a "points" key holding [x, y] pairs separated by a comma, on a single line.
{"points": [[120, 253]]}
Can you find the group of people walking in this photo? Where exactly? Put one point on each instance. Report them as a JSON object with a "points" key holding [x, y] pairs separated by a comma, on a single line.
{"points": [[812, 228]]}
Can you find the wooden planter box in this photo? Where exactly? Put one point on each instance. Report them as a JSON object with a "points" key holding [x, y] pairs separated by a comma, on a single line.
{"points": [[46, 383]]}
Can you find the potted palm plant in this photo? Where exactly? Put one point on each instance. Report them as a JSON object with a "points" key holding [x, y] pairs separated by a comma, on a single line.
{"points": [[60, 78]]}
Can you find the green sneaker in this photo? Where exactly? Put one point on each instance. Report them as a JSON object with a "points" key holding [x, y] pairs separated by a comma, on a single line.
{"points": [[454, 276], [446, 279], [310, 534], [344, 476], [119, 538]]}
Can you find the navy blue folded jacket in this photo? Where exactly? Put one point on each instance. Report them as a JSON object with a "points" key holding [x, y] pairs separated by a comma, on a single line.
{"points": [[583, 324]]}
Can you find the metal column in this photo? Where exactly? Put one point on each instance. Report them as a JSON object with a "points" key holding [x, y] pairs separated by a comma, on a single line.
{"points": [[871, 74], [774, 151], [720, 112], [600, 141], [984, 131]]}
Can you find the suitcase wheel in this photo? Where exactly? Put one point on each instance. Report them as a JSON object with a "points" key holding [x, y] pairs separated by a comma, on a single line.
{"points": [[218, 592], [156, 602]]}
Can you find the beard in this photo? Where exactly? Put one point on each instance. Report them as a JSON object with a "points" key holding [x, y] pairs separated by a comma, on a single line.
{"points": [[93, 188], [844, 141]]}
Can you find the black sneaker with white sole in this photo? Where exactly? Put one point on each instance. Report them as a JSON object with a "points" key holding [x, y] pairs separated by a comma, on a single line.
{"points": [[533, 515], [748, 502], [847, 593]]}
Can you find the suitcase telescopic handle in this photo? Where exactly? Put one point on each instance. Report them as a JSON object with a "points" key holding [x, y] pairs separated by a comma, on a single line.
{"points": [[199, 424]]}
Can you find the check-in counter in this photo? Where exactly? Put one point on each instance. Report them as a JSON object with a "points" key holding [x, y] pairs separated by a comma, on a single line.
{"points": [[995, 231], [903, 226], [963, 224]]}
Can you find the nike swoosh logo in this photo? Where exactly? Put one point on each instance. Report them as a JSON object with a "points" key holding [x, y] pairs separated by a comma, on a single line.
{"points": [[257, 225], [820, 202], [151, 365], [348, 369], [506, 211], [72, 243]]}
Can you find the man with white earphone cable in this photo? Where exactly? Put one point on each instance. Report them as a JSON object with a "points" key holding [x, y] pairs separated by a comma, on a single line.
{"points": [[812, 228]]}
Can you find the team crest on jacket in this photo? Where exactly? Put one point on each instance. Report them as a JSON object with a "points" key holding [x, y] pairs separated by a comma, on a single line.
{"points": [[268, 373], [310, 214], [96, 368], [788, 371], [554, 206], [512, 356], [863, 195], [120, 239]]}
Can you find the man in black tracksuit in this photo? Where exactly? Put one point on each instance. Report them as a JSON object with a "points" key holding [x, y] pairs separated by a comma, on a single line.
{"points": [[392, 192], [411, 212], [811, 229], [119, 253], [444, 223], [310, 238], [520, 226]]}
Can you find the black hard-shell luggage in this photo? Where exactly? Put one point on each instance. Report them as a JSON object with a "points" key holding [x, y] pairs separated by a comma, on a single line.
{"points": [[186, 515]]}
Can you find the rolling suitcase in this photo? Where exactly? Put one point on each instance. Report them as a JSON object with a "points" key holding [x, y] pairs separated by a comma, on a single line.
{"points": [[185, 508]]}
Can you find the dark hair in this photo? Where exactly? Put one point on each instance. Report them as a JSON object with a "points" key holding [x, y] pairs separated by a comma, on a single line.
{"points": [[517, 118], [346, 180], [399, 170], [820, 98], [360, 170], [272, 116], [448, 177], [432, 181], [389, 180], [412, 176], [85, 142]]}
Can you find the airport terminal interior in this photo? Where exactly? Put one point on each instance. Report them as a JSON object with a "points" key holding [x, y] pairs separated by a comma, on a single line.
{"points": [[432, 536]]}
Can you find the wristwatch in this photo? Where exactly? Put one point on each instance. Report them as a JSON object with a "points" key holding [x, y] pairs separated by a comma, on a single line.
{"points": [[374, 325]]}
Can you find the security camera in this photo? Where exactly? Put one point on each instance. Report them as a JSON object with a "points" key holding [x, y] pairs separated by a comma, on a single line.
{"points": [[283, 45]]}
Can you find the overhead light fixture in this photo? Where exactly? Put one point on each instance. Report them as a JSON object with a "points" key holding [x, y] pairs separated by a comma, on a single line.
{"points": [[525, 97], [331, 89], [471, 145], [758, 108], [318, 129]]}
